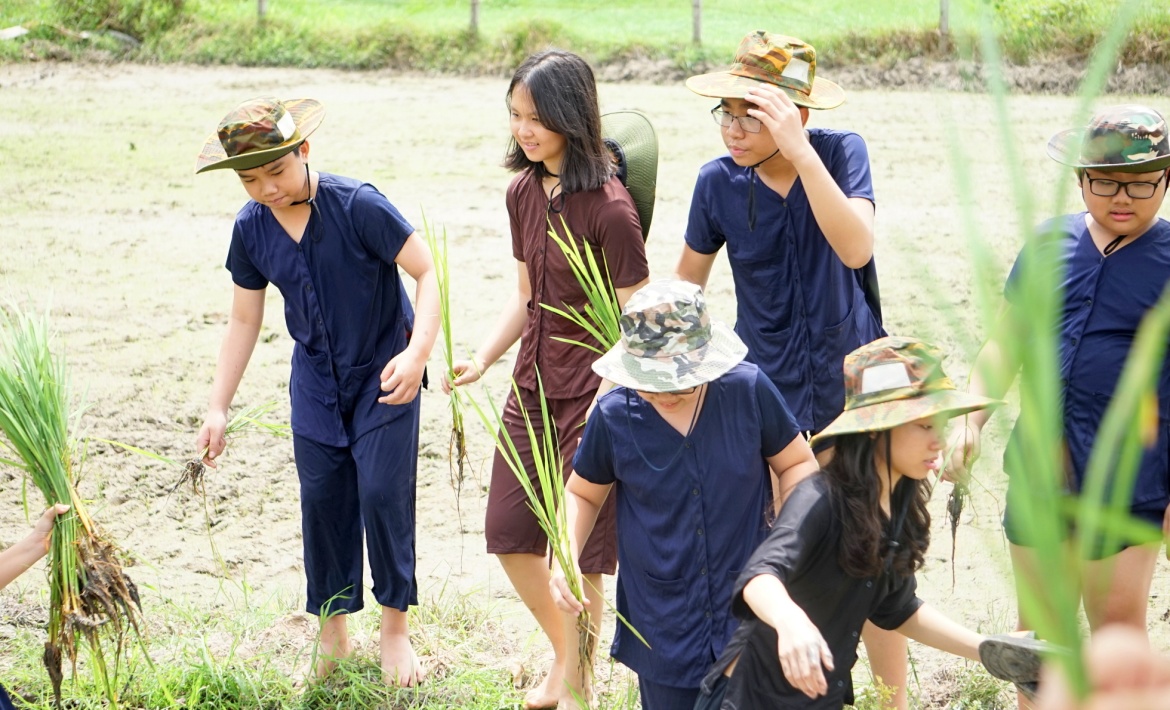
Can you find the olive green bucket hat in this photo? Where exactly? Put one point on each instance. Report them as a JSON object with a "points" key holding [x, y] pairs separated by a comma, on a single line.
{"points": [[259, 131], [669, 343], [787, 62], [1125, 139], [634, 146], [894, 381]]}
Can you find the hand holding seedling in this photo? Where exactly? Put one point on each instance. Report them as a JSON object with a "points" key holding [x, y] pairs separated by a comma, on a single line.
{"points": [[212, 437], [964, 448], [465, 371], [783, 120], [562, 596], [402, 377]]}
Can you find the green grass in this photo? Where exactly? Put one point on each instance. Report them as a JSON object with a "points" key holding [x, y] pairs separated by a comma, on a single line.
{"points": [[415, 34]]}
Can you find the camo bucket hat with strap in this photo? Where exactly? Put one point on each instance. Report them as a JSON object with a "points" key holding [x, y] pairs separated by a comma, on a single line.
{"points": [[1124, 139], [894, 381], [786, 62], [669, 343], [258, 132]]}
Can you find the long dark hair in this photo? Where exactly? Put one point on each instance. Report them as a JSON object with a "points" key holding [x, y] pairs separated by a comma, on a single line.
{"points": [[564, 93], [855, 493]]}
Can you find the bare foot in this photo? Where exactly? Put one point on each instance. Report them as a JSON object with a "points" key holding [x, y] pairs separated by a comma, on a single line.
{"points": [[400, 667], [548, 692]]}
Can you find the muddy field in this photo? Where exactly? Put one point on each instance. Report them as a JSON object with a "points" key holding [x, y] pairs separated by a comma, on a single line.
{"points": [[104, 222]]}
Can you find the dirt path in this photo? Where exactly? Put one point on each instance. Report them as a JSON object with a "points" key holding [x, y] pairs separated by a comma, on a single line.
{"points": [[104, 221]]}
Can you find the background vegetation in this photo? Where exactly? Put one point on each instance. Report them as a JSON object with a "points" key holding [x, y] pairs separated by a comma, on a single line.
{"points": [[436, 36]]}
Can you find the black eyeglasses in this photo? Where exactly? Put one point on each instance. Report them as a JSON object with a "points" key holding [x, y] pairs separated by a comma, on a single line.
{"points": [[725, 119], [1102, 187]]}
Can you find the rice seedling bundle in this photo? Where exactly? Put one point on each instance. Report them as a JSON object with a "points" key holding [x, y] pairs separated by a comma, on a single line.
{"points": [[601, 314], [457, 456], [90, 596]]}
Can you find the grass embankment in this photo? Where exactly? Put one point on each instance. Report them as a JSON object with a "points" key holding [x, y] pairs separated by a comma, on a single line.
{"points": [[435, 36]]}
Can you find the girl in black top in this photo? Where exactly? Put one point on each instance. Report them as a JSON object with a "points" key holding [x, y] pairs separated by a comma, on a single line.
{"points": [[847, 543]]}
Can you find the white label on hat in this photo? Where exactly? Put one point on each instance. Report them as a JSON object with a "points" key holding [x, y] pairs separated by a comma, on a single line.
{"points": [[884, 377], [286, 125], [796, 69]]}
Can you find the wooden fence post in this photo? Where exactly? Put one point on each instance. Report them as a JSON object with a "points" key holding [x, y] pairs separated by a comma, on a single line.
{"points": [[474, 17], [944, 25], [697, 22]]}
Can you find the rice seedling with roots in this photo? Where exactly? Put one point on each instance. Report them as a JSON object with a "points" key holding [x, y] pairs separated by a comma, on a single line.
{"points": [[547, 503], [91, 598], [457, 457]]}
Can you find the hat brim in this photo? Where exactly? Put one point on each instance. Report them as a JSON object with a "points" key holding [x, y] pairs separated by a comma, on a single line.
{"points": [[887, 415], [1065, 148], [670, 374], [725, 85], [307, 114], [634, 144]]}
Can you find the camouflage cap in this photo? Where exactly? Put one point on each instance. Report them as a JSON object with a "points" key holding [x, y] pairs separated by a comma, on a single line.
{"points": [[786, 62], [259, 131], [669, 343], [894, 381], [1126, 139]]}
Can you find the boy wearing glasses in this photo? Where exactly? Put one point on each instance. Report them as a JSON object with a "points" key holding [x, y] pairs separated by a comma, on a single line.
{"points": [[795, 208], [1114, 261]]}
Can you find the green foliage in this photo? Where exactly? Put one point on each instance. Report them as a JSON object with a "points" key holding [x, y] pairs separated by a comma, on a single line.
{"points": [[138, 18]]}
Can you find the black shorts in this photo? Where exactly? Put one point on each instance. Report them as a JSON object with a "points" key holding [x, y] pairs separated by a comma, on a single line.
{"points": [[1149, 519]]}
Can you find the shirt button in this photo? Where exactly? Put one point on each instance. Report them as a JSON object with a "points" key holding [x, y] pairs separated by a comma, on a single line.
{"points": [[854, 634], [1073, 341], [1088, 302], [703, 571], [840, 684], [868, 585], [708, 615], [699, 531], [695, 492], [309, 288], [688, 444]]}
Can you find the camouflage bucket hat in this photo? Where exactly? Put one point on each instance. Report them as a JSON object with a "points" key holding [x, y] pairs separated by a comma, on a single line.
{"points": [[669, 343], [634, 146], [1124, 139], [259, 131], [894, 381], [787, 62]]}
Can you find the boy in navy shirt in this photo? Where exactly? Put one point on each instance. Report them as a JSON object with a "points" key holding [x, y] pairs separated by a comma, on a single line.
{"points": [[332, 245], [795, 208], [1114, 261], [688, 442]]}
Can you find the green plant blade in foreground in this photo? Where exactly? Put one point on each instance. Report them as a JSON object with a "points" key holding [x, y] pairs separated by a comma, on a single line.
{"points": [[601, 317]]}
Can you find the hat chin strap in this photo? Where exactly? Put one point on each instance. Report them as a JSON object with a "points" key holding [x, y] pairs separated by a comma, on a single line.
{"points": [[308, 190], [752, 191]]}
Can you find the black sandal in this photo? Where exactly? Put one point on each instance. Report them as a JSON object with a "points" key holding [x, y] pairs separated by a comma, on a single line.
{"points": [[1016, 659]]}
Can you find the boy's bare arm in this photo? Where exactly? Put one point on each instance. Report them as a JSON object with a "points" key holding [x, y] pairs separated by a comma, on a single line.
{"points": [[694, 267], [238, 343]]}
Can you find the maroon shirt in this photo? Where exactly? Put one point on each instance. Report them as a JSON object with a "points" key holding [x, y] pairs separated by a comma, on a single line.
{"points": [[607, 221]]}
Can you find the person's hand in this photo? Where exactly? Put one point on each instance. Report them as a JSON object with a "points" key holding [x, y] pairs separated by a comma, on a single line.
{"points": [[782, 118], [562, 596], [1124, 672], [37, 541], [804, 654], [964, 448], [211, 436], [402, 378], [466, 372]]}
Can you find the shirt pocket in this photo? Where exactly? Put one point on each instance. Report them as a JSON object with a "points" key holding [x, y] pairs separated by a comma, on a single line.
{"points": [[666, 623]]}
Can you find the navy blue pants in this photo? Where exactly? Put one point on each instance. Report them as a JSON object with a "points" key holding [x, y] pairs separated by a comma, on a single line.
{"points": [[665, 697], [368, 485], [5, 703]]}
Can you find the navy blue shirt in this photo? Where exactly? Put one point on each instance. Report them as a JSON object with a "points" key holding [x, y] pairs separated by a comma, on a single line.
{"points": [[1105, 298], [799, 308], [690, 510], [344, 303]]}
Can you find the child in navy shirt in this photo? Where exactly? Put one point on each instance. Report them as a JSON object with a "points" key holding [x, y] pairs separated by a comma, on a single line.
{"points": [[332, 245], [795, 209], [1114, 262], [688, 444]]}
